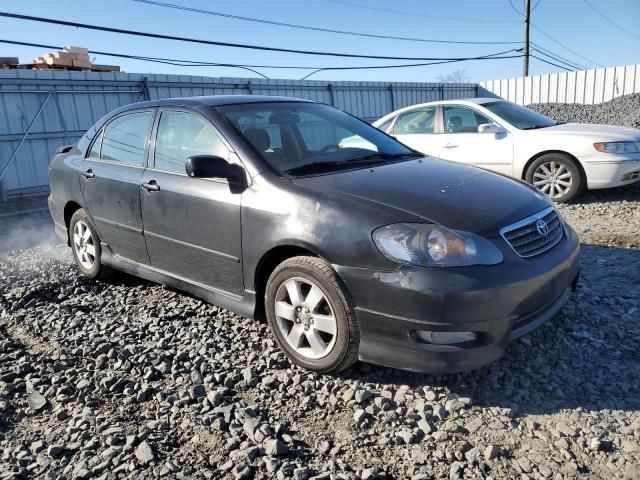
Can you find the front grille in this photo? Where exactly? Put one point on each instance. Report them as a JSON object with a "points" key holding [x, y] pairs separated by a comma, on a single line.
{"points": [[527, 239]]}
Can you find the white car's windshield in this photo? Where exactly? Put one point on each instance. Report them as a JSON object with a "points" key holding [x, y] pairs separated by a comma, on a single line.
{"points": [[519, 117], [299, 138]]}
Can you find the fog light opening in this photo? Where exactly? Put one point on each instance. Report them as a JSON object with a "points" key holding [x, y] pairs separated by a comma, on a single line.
{"points": [[445, 338], [631, 175]]}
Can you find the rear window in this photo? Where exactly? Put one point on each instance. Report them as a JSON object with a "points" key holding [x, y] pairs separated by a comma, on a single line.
{"points": [[124, 138]]}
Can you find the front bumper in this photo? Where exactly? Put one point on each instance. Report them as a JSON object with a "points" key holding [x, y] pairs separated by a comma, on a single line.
{"points": [[497, 303], [608, 170]]}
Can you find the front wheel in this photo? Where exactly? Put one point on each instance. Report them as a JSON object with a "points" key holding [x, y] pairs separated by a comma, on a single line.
{"points": [[310, 315], [557, 176]]}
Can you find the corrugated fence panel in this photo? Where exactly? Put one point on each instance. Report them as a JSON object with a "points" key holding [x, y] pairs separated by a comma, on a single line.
{"points": [[76, 100], [583, 86]]}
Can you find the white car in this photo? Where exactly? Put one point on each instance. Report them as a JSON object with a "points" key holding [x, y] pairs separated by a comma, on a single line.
{"points": [[560, 159]]}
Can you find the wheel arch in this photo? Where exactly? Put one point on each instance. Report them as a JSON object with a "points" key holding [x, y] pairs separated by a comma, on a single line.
{"points": [[70, 208], [523, 173], [267, 264]]}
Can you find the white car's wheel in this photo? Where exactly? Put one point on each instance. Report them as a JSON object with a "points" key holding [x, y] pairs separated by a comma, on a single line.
{"points": [[557, 176]]}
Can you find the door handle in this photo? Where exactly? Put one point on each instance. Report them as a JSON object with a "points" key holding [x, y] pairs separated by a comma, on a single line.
{"points": [[451, 145], [152, 186], [88, 174]]}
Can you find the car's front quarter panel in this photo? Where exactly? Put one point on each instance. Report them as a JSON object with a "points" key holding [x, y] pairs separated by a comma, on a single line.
{"points": [[602, 170], [276, 213]]}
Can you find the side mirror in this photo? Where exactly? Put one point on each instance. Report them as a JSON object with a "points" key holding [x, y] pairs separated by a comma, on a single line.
{"points": [[490, 128], [211, 166]]}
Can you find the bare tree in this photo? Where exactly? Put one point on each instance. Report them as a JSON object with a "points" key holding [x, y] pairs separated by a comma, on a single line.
{"points": [[457, 76]]}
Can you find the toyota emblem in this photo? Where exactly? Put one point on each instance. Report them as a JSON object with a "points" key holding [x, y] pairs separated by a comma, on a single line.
{"points": [[542, 227]]}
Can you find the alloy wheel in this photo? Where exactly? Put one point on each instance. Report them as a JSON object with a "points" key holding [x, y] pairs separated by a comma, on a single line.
{"points": [[553, 179], [84, 245], [305, 318]]}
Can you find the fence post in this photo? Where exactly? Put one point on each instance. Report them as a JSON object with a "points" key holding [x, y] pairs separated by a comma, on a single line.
{"points": [[332, 98], [393, 97], [145, 88], [62, 122], [24, 137]]}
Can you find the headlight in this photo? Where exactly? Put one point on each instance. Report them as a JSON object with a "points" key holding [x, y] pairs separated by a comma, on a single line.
{"points": [[434, 246], [618, 147]]}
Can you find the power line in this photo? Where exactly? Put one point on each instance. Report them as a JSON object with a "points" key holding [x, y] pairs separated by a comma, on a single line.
{"points": [[550, 63], [573, 67], [486, 57], [610, 21], [576, 65], [539, 30], [316, 69], [415, 14], [551, 55], [317, 29], [213, 42]]}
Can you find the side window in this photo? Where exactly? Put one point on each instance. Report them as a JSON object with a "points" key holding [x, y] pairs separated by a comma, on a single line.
{"points": [[95, 148], [416, 121], [124, 138], [459, 119], [182, 135]]}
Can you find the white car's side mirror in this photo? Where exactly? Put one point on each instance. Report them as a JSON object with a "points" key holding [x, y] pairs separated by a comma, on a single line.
{"points": [[490, 128]]}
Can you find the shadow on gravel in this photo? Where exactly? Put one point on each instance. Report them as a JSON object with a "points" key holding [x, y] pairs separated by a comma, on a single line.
{"points": [[586, 357], [629, 193]]}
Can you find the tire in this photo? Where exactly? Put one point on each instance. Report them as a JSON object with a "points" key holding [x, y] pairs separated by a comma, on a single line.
{"points": [[305, 339], [85, 246], [557, 175]]}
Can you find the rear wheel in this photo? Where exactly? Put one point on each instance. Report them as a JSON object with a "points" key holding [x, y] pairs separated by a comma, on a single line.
{"points": [[85, 245], [310, 315], [556, 175]]}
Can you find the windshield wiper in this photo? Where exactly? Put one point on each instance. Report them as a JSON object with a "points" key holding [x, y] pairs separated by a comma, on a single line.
{"points": [[383, 157], [372, 158]]}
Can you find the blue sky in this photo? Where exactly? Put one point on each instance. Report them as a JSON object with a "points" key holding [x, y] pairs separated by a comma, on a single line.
{"points": [[571, 23]]}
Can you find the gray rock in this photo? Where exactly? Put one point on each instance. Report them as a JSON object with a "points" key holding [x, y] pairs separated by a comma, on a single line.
{"points": [[197, 391], [275, 446], [301, 473], [36, 401], [472, 455], [54, 451], [439, 412], [491, 452], [144, 453], [242, 472]]}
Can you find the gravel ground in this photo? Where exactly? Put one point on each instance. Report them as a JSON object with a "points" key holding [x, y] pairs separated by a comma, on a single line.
{"points": [[623, 111], [128, 379]]}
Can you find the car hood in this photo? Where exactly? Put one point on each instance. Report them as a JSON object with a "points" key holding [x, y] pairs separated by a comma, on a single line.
{"points": [[597, 132], [433, 190]]}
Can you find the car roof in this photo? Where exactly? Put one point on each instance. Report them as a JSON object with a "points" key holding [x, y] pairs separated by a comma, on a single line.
{"points": [[455, 101], [214, 101]]}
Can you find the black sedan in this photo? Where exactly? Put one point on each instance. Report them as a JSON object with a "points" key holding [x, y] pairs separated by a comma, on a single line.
{"points": [[372, 251]]}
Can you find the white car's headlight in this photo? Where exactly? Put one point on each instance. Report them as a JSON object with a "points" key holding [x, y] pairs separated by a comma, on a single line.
{"points": [[618, 147], [434, 246]]}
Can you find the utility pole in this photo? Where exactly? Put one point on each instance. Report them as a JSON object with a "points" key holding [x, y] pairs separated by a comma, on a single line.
{"points": [[527, 14]]}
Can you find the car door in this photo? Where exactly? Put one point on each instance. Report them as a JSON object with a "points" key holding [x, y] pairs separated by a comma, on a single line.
{"points": [[461, 142], [110, 182], [191, 225], [417, 129]]}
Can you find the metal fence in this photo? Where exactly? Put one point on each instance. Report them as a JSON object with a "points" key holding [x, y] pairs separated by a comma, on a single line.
{"points": [[41, 110], [583, 86]]}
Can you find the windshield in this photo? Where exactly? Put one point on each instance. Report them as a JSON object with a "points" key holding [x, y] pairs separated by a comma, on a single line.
{"points": [[519, 117], [299, 138]]}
